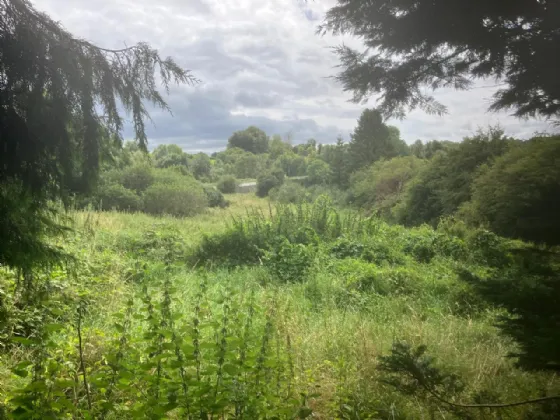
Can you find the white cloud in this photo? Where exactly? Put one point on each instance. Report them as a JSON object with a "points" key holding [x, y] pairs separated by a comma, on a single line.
{"points": [[260, 63]]}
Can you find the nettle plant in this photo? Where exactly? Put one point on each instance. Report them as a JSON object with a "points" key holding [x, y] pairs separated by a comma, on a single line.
{"points": [[224, 359]]}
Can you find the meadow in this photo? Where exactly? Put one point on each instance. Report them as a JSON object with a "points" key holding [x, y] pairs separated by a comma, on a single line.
{"points": [[257, 311]]}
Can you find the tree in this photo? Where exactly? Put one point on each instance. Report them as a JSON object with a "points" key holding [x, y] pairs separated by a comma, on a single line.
{"points": [[167, 155], [292, 164], [448, 43], [268, 181], [278, 147], [307, 149], [381, 186], [400, 146], [519, 195], [248, 165], [371, 140], [337, 158], [318, 172], [428, 150], [201, 165], [57, 95], [445, 183], [252, 139]]}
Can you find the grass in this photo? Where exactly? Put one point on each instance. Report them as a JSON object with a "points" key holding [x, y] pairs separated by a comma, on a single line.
{"points": [[326, 330]]}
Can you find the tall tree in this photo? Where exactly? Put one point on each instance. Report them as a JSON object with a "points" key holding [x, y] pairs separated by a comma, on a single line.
{"points": [[411, 45], [252, 139], [371, 140], [337, 157], [58, 94]]}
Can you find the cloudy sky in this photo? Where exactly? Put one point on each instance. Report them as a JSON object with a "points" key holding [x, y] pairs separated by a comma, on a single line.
{"points": [[260, 63]]}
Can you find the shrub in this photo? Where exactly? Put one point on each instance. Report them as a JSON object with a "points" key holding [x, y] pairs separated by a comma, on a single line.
{"points": [[227, 184], [137, 177], [289, 262], [173, 174], [517, 196], [246, 239], [117, 197], [346, 248], [444, 184], [268, 181], [290, 192], [528, 290], [365, 277], [215, 198], [381, 186], [488, 248], [185, 199], [422, 248], [338, 196]]}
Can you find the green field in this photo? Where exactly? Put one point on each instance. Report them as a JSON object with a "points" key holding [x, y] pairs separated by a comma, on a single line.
{"points": [[172, 325]]}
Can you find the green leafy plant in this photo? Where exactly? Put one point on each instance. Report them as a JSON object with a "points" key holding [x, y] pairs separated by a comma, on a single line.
{"points": [[215, 198], [116, 197], [227, 184], [289, 262], [177, 199]]}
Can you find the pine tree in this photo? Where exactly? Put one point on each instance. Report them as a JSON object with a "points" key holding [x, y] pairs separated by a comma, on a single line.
{"points": [[59, 99], [371, 141], [432, 44]]}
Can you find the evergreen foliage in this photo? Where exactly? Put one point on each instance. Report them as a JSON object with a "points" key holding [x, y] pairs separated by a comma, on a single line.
{"points": [[370, 141], [449, 43], [59, 99]]}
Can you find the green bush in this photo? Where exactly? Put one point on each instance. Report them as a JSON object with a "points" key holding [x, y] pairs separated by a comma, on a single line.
{"points": [[290, 192], [444, 184], [289, 262], [318, 172], [247, 238], [215, 198], [137, 177], [381, 186], [517, 196], [364, 277], [176, 199], [227, 184], [338, 196], [117, 197], [528, 288], [173, 174], [268, 181]]}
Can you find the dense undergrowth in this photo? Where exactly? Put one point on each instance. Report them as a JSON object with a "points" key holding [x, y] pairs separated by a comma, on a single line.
{"points": [[279, 313]]}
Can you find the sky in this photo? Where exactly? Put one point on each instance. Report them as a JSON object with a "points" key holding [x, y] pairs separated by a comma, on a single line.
{"points": [[260, 63]]}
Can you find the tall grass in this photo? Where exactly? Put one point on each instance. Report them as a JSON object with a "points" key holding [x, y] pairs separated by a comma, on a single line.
{"points": [[245, 335]]}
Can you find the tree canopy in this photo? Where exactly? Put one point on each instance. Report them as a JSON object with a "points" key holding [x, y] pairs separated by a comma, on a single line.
{"points": [[60, 99], [519, 195], [445, 183], [373, 140], [414, 45], [252, 139]]}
